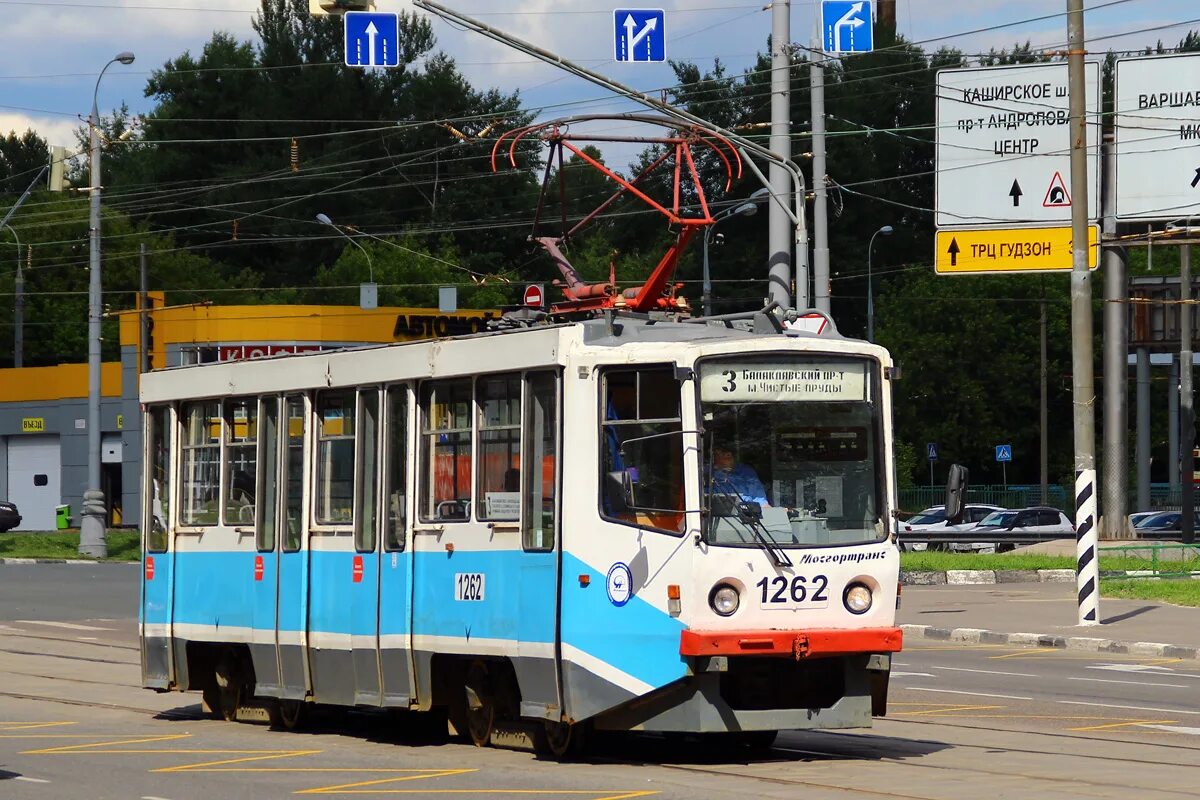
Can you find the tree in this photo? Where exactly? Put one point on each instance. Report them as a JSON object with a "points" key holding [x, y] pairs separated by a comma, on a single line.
{"points": [[21, 157]]}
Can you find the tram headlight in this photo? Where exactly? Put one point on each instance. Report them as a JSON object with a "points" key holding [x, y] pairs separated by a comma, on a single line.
{"points": [[857, 598], [724, 599]]}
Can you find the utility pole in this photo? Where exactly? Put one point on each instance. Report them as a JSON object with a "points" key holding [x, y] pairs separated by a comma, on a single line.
{"points": [[1043, 416], [816, 71], [1187, 410], [780, 228], [143, 305], [1115, 493], [1087, 570]]}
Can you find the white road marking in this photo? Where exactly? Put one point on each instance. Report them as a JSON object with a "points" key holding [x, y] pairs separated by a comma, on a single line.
{"points": [[988, 672], [911, 674], [87, 638], [30, 780], [970, 694], [1174, 729], [1132, 683], [152, 797], [1128, 708], [68, 625], [11, 629], [1131, 668]]}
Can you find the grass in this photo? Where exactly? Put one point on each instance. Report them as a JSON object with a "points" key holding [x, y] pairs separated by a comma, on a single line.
{"points": [[1180, 592], [122, 545], [926, 561]]}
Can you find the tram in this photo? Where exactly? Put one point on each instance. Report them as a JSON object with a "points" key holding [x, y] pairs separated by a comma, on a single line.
{"points": [[621, 523]]}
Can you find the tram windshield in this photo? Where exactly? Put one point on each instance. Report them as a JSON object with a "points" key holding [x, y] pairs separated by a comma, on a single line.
{"points": [[792, 451]]}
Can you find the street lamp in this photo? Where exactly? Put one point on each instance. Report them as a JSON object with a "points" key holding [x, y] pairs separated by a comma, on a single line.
{"points": [[18, 306], [368, 293], [748, 209], [886, 230], [91, 527]]}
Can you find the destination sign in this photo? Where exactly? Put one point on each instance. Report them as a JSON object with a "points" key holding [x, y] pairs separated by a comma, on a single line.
{"points": [[769, 382], [1010, 250]]}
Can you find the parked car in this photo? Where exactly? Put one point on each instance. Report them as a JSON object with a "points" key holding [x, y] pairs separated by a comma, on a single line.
{"points": [[1040, 520], [933, 520], [1165, 525], [1139, 518], [9, 516]]}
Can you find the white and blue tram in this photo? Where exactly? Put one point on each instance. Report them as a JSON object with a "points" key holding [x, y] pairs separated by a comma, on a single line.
{"points": [[614, 523]]}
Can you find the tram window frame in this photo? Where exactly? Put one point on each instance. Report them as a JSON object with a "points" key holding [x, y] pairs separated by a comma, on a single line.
{"points": [[349, 398], [644, 517], [533, 486], [293, 531], [157, 524], [230, 446], [428, 477], [508, 431], [396, 471], [187, 484], [365, 513], [266, 518]]}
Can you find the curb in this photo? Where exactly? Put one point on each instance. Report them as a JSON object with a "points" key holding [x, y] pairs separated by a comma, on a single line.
{"points": [[80, 561], [1085, 643], [978, 577]]}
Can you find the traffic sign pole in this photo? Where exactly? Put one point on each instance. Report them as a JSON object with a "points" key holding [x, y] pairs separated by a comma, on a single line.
{"points": [[1087, 569], [1114, 496], [779, 226]]}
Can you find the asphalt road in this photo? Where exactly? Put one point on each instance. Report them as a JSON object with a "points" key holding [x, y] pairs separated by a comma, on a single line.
{"points": [[69, 591], [965, 721]]}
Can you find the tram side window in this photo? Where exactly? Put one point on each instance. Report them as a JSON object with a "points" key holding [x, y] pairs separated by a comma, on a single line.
{"points": [[160, 479], [446, 450], [201, 463], [642, 448], [265, 531], [335, 458], [540, 501], [240, 467], [297, 423], [499, 463], [397, 467]]}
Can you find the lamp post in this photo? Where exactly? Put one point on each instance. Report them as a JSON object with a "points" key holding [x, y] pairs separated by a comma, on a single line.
{"points": [[886, 230], [91, 527], [368, 293], [18, 306], [747, 209]]}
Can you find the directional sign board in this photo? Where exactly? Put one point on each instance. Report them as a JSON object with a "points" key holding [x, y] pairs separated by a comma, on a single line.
{"points": [[980, 250], [846, 26], [372, 39], [1003, 146], [640, 34], [1004, 452], [1158, 137]]}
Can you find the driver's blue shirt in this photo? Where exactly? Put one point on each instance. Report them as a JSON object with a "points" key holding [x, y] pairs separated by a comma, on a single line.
{"points": [[741, 480]]}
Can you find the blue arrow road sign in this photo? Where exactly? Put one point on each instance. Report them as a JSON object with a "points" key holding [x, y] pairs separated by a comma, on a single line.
{"points": [[641, 34], [846, 26], [1004, 452], [931, 451], [372, 39]]}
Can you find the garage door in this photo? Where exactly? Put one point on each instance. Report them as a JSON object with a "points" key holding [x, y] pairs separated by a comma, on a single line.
{"points": [[35, 479]]}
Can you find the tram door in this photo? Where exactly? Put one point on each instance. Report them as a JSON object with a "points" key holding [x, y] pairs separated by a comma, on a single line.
{"points": [[291, 622], [364, 589], [395, 572], [540, 477], [266, 545], [158, 666]]}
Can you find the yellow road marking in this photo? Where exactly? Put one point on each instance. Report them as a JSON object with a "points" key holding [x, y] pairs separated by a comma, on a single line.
{"points": [[951, 709], [601, 794], [1032, 652], [1125, 724], [22, 726], [92, 748], [253, 755], [422, 774]]}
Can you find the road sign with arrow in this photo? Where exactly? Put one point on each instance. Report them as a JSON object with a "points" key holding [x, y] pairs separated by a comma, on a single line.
{"points": [[846, 26], [1015, 193], [981, 251], [1157, 106], [640, 34], [372, 39]]}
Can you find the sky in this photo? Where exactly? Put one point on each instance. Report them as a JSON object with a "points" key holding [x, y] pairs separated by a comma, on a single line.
{"points": [[53, 50]]}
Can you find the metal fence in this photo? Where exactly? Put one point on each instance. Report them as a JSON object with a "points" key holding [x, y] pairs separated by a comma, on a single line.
{"points": [[915, 498]]}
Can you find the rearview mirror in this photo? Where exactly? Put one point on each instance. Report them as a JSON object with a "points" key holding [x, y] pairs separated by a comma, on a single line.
{"points": [[956, 493], [618, 491]]}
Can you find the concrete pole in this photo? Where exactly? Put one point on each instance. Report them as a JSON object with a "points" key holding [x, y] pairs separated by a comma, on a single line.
{"points": [[1173, 426], [821, 285], [94, 513], [18, 306], [1115, 499], [1043, 412], [1187, 410], [1087, 570], [144, 313], [780, 227], [1143, 428]]}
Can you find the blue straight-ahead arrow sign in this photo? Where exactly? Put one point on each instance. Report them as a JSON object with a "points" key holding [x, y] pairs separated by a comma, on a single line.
{"points": [[372, 39]]}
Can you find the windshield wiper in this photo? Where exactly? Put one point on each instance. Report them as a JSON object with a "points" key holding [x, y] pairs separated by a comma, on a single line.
{"points": [[751, 518]]}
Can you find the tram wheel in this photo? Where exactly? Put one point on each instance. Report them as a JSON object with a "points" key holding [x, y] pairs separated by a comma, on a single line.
{"points": [[288, 715], [481, 704], [224, 696], [564, 740]]}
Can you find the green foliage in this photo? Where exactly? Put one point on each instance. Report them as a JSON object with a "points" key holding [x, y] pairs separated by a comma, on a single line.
{"points": [[122, 545], [1180, 592], [929, 561], [20, 159]]}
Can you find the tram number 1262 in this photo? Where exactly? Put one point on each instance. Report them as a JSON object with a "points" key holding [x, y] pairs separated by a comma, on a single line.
{"points": [[779, 592], [468, 586]]}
